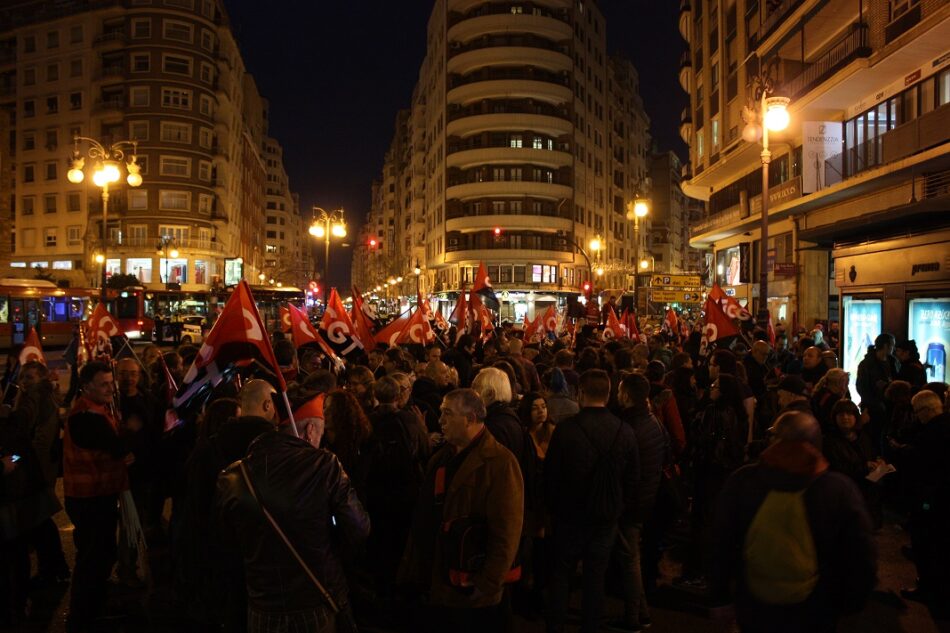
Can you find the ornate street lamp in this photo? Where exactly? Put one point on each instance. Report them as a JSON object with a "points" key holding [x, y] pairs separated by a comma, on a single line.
{"points": [[638, 208], [773, 112], [107, 171], [325, 225]]}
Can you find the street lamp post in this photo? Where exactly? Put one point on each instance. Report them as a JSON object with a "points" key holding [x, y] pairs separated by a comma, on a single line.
{"points": [[106, 172], [638, 208], [168, 246], [417, 271], [325, 225], [772, 116]]}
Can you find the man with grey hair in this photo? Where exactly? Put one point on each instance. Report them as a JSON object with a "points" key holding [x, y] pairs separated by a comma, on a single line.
{"points": [[803, 584], [923, 462], [473, 486], [515, 354]]}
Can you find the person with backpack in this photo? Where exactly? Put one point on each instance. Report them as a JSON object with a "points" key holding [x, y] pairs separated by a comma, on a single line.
{"points": [[590, 475], [794, 547]]}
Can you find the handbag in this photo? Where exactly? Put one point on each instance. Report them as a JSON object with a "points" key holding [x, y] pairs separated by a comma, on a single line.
{"points": [[344, 617]]}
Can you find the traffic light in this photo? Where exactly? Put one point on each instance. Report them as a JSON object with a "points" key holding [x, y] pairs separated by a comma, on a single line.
{"points": [[587, 290], [497, 231], [373, 244]]}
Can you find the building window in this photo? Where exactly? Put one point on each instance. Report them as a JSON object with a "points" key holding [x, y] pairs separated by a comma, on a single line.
{"points": [[138, 96], [26, 205], [207, 40], [73, 235], [174, 200], [52, 139], [176, 64], [73, 204], [141, 62], [141, 28], [138, 199], [207, 72], [141, 267], [29, 76], [177, 31], [52, 39], [138, 234], [75, 34], [75, 101], [206, 105], [52, 72], [175, 98], [29, 44], [49, 236], [49, 203], [29, 141], [175, 166], [29, 109], [75, 68], [204, 170], [138, 130], [51, 171], [204, 204], [52, 105], [176, 132], [205, 138], [29, 173]]}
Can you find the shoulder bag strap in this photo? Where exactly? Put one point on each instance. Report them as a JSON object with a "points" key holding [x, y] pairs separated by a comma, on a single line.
{"points": [[293, 550]]}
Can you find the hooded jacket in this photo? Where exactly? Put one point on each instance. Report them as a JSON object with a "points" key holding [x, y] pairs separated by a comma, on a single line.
{"points": [[840, 527], [653, 446], [307, 492]]}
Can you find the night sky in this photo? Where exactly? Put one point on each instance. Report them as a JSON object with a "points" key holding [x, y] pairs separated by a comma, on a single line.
{"points": [[336, 73]]}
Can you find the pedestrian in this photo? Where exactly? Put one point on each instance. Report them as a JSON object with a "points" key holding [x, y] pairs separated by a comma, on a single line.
{"points": [[911, 369], [878, 368], [590, 475], [557, 394], [284, 506], [473, 488], [793, 542], [95, 461], [830, 389]]}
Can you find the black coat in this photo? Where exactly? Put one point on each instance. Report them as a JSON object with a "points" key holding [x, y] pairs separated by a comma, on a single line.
{"points": [[840, 527], [571, 457], [462, 361], [848, 457], [924, 463], [654, 452], [311, 499]]}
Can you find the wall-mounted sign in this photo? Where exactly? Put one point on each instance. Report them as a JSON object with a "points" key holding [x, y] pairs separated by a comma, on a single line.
{"points": [[233, 271], [676, 281], [821, 140], [784, 269], [676, 296]]}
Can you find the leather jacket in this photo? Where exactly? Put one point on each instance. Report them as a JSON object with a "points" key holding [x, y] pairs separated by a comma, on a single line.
{"points": [[309, 495]]}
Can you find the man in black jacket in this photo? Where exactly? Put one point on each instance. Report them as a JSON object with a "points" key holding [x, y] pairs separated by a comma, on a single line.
{"points": [[311, 499], [578, 444], [653, 446], [460, 357], [839, 525]]}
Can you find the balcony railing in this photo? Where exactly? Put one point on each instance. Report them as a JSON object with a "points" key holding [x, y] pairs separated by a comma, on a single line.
{"points": [[504, 140], [775, 17], [116, 36], [514, 9], [480, 174], [521, 40], [850, 47], [110, 103], [482, 208], [150, 246], [529, 73], [509, 106], [510, 241]]}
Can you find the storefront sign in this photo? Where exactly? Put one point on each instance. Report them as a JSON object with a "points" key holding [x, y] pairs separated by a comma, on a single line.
{"points": [[821, 140], [676, 281], [784, 269], [788, 190], [929, 325], [745, 262]]}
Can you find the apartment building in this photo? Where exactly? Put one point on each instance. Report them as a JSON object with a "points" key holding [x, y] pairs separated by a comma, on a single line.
{"points": [[672, 213], [858, 183], [166, 74], [524, 142]]}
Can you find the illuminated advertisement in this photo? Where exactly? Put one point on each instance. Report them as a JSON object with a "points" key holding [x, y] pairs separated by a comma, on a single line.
{"points": [[233, 271], [929, 325], [862, 324]]}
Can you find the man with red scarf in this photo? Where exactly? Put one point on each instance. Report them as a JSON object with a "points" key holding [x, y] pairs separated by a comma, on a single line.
{"points": [[95, 458]]}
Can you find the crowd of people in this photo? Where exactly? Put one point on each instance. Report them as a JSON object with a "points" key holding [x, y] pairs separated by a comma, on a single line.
{"points": [[445, 488]]}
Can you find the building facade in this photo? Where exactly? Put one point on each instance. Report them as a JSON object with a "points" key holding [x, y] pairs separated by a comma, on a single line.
{"points": [[524, 142], [858, 183], [166, 74]]}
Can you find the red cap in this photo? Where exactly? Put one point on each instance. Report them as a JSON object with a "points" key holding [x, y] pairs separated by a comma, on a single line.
{"points": [[313, 408]]}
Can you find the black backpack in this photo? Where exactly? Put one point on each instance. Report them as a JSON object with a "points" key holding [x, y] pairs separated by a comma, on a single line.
{"points": [[395, 458], [605, 490]]}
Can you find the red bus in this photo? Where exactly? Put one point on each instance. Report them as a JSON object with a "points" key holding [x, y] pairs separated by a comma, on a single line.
{"points": [[128, 308], [40, 304]]}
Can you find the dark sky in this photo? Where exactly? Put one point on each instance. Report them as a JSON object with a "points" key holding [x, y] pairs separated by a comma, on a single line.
{"points": [[336, 73]]}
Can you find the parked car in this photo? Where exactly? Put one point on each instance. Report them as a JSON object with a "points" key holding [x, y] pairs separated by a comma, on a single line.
{"points": [[192, 329]]}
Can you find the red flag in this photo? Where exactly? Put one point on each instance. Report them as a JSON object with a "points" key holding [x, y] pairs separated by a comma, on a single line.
{"points": [[440, 321], [734, 310], [629, 322], [716, 293], [613, 329], [32, 350], [416, 330], [671, 323], [530, 328], [484, 319], [170, 387], [771, 330], [718, 326], [362, 325], [100, 326], [460, 312], [391, 332], [285, 322], [304, 333], [238, 337], [337, 327], [482, 287]]}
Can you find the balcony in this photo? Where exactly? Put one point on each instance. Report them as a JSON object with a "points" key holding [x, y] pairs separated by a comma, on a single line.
{"points": [[848, 48], [508, 207], [775, 18], [110, 38], [510, 189], [148, 246], [508, 106], [109, 103], [520, 9], [526, 73], [686, 69], [112, 71], [515, 241], [549, 60], [686, 15], [505, 154], [508, 40], [526, 173]]}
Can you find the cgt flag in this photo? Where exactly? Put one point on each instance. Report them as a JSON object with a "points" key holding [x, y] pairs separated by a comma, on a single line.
{"points": [[338, 330], [482, 287], [613, 329], [671, 324], [718, 327], [32, 350], [363, 324], [100, 328], [549, 322], [531, 328], [417, 330], [629, 321], [285, 322], [390, 333], [459, 316], [303, 333], [237, 338]]}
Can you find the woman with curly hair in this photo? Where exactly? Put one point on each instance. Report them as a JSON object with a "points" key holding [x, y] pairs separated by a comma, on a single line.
{"points": [[348, 435]]}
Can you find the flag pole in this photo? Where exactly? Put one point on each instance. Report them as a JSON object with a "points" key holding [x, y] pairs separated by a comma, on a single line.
{"points": [[290, 414]]}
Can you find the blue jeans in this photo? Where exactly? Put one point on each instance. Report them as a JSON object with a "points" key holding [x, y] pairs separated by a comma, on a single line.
{"points": [[572, 543]]}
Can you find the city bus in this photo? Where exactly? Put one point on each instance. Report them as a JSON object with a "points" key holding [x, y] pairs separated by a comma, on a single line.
{"points": [[41, 304], [129, 309]]}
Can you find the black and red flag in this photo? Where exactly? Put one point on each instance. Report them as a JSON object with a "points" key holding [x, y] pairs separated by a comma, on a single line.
{"points": [[337, 329], [718, 327], [482, 287]]}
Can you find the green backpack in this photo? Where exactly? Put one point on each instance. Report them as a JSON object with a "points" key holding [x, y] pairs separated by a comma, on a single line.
{"points": [[781, 564]]}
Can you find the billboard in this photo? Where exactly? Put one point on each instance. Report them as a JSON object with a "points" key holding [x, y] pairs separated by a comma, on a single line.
{"points": [[929, 325], [822, 141], [233, 271], [862, 324]]}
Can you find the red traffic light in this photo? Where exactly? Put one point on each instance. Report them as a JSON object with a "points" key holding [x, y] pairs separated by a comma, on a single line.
{"points": [[586, 286], [373, 243], [313, 285], [497, 231]]}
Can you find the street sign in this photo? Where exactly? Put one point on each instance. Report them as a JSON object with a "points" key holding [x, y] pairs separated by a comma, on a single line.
{"points": [[676, 296], [676, 281]]}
